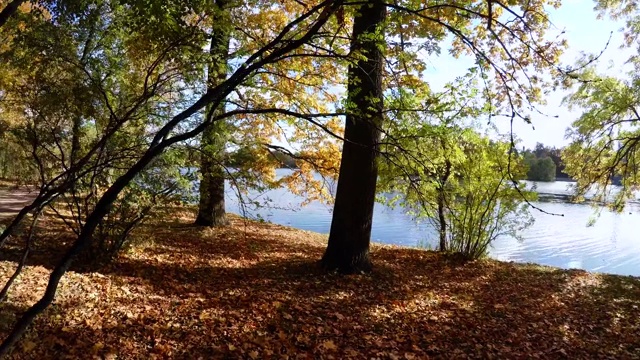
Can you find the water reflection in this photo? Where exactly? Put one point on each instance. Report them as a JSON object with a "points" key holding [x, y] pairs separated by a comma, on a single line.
{"points": [[609, 245]]}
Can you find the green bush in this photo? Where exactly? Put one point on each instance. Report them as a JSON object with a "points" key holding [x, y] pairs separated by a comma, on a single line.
{"points": [[463, 183]]}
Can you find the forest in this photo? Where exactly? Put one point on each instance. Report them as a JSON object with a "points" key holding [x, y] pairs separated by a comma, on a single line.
{"points": [[125, 125]]}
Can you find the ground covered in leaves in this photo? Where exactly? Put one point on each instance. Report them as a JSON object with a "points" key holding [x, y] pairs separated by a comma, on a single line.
{"points": [[254, 291]]}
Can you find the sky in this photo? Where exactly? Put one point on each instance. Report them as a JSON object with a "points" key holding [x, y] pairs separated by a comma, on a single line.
{"points": [[585, 34]]}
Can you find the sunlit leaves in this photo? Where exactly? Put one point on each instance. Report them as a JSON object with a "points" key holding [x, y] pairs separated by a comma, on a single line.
{"points": [[510, 41], [605, 137], [439, 167], [250, 291]]}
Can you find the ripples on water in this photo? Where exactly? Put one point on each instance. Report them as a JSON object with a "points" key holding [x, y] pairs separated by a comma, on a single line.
{"points": [[610, 245]]}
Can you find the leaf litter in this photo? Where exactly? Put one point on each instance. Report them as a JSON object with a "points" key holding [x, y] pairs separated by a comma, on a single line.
{"points": [[254, 291]]}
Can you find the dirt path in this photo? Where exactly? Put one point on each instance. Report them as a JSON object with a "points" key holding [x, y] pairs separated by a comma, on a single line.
{"points": [[13, 200]]}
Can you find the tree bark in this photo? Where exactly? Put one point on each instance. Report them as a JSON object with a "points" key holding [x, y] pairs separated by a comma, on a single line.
{"points": [[442, 219], [211, 210], [350, 234]]}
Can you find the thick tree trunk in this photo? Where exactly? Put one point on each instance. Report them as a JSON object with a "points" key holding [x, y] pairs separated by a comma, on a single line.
{"points": [[349, 238], [211, 210]]}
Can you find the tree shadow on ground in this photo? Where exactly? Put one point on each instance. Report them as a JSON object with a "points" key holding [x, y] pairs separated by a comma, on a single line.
{"points": [[258, 292], [51, 240]]}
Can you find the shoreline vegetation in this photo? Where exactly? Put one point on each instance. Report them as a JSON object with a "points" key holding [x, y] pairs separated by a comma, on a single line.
{"points": [[253, 290]]}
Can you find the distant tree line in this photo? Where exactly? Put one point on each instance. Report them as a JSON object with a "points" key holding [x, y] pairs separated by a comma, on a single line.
{"points": [[544, 163]]}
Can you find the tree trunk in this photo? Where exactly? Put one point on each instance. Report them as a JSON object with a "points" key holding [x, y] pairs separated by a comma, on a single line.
{"points": [[442, 206], [75, 140], [349, 238], [211, 210]]}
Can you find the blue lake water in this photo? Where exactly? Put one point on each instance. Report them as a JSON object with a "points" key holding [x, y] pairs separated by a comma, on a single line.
{"points": [[611, 245]]}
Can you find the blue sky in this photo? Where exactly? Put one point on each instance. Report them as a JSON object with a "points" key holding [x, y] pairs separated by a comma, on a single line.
{"points": [[585, 34]]}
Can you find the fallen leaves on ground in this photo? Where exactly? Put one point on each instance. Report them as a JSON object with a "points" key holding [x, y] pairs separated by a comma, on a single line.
{"points": [[254, 291]]}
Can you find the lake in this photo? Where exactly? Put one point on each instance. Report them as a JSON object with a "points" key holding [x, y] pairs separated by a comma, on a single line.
{"points": [[611, 245]]}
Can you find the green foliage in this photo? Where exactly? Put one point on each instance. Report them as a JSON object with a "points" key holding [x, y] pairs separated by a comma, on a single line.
{"points": [[541, 151], [605, 138], [86, 85], [443, 170], [478, 202], [540, 169], [15, 164], [484, 204]]}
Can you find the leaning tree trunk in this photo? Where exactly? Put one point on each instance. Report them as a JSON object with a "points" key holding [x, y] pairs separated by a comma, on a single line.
{"points": [[211, 210], [348, 248]]}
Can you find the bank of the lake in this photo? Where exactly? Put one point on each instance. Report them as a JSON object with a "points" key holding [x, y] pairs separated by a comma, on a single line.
{"points": [[610, 245], [253, 291]]}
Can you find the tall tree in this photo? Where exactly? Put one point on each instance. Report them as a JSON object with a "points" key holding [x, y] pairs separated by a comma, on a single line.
{"points": [[211, 210], [508, 44], [348, 248]]}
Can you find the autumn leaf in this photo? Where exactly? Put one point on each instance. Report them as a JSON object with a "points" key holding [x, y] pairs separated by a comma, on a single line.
{"points": [[27, 346], [329, 345]]}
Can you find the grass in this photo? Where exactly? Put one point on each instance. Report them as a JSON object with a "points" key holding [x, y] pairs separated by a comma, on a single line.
{"points": [[254, 291]]}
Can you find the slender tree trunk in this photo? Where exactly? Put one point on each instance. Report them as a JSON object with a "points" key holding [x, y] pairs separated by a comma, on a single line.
{"points": [[441, 206], [349, 238], [101, 209], [23, 260], [442, 222], [75, 140], [211, 210]]}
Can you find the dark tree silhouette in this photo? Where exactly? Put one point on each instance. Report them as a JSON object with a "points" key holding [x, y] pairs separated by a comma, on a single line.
{"points": [[348, 249]]}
